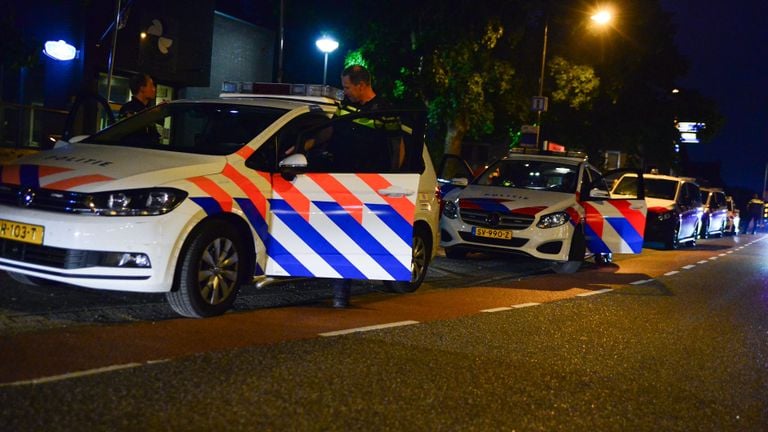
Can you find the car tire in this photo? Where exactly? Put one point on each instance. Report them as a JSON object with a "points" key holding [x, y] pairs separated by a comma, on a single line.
{"points": [[603, 258], [422, 253], [673, 241], [575, 254], [209, 272], [455, 252], [692, 241]]}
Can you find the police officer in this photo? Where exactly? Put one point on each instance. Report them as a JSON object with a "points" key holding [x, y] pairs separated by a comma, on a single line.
{"points": [[359, 96], [754, 214], [143, 90]]}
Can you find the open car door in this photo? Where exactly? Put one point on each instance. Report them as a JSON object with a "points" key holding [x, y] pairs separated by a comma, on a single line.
{"points": [[615, 223], [344, 200]]}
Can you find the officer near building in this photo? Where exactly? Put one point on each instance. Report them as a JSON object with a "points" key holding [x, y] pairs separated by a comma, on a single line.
{"points": [[143, 91]]}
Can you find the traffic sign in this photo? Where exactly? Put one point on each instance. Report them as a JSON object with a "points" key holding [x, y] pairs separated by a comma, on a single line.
{"points": [[539, 103]]}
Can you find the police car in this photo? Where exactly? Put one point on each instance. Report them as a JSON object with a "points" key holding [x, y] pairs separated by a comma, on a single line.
{"points": [[196, 198], [554, 207]]}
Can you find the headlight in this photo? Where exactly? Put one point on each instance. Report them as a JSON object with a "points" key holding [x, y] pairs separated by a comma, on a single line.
{"points": [[135, 202], [450, 210], [553, 220]]}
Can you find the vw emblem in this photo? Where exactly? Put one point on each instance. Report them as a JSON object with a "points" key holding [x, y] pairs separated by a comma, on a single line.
{"points": [[26, 197], [493, 219]]}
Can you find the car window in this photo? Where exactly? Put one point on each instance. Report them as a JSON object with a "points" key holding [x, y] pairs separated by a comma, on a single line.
{"points": [[373, 142], [531, 174], [212, 129], [690, 195], [654, 188]]}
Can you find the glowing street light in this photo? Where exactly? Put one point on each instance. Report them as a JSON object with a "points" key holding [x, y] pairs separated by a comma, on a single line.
{"points": [[327, 46], [602, 17]]}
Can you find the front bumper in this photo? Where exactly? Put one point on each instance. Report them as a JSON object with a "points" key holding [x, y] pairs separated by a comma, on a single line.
{"points": [[85, 250]]}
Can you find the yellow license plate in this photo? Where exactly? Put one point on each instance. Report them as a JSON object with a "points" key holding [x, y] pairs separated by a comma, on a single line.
{"points": [[22, 232], [493, 233]]}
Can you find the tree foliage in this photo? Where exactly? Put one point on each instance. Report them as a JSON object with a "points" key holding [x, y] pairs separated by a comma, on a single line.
{"points": [[475, 66]]}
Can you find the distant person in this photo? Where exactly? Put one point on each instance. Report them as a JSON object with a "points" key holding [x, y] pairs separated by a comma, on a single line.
{"points": [[754, 214], [144, 92]]}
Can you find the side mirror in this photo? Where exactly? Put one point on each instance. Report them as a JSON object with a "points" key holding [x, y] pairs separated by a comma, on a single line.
{"points": [[460, 181], [293, 165], [599, 193]]}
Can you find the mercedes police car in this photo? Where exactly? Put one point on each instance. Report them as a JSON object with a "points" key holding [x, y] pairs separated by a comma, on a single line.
{"points": [[196, 198], [554, 207]]}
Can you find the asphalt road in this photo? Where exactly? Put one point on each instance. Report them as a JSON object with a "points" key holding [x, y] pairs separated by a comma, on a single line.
{"points": [[663, 341]]}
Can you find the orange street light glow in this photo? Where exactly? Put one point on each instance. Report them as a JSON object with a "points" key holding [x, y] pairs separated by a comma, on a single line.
{"points": [[603, 17]]}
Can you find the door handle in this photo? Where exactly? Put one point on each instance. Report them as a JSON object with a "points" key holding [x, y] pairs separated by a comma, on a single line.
{"points": [[395, 192]]}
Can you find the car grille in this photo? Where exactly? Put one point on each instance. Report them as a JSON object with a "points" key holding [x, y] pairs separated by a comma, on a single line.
{"points": [[47, 255], [42, 199], [514, 221]]}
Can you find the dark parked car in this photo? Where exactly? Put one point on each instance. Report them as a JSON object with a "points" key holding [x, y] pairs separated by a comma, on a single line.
{"points": [[715, 216], [674, 208]]}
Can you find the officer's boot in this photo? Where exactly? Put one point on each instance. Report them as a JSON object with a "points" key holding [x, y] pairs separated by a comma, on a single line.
{"points": [[341, 293]]}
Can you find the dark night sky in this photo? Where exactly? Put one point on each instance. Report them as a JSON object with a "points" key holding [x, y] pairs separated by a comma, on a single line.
{"points": [[726, 44]]}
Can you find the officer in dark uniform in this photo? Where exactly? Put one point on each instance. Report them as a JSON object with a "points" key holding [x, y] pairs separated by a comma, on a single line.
{"points": [[143, 90], [365, 152]]}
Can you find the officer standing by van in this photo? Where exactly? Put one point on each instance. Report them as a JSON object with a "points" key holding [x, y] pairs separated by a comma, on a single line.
{"points": [[359, 97], [754, 214]]}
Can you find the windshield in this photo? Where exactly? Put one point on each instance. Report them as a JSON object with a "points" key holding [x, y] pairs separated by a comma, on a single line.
{"points": [[654, 188], [531, 174], [202, 128]]}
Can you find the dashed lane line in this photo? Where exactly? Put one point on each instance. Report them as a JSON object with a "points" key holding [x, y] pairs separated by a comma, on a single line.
{"points": [[498, 309], [591, 293], [640, 282], [689, 266], [78, 374], [525, 305], [368, 328], [670, 273]]}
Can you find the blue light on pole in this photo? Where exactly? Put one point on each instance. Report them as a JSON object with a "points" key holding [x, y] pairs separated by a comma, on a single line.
{"points": [[327, 46]]}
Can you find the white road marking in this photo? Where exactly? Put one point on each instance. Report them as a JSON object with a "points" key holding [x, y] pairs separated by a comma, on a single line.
{"points": [[498, 309], [713, 258], [689, 266], [524, 305], [71, 375], [368, 328], [722, 254], [702, 262], [670, 273], [729, 252], [640, 282], [602, 291]]}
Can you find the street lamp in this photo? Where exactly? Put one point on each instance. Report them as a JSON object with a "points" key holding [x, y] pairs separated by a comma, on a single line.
{"points": [[602, 18], [327, 46]]}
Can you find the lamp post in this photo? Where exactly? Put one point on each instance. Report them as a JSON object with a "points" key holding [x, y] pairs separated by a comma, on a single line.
{"points": [[601, 18], [541, 104], [327, 46]]}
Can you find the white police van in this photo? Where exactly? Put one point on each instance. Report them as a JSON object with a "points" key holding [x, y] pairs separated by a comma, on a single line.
{"points": [[551, 206], [196, 198]]}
